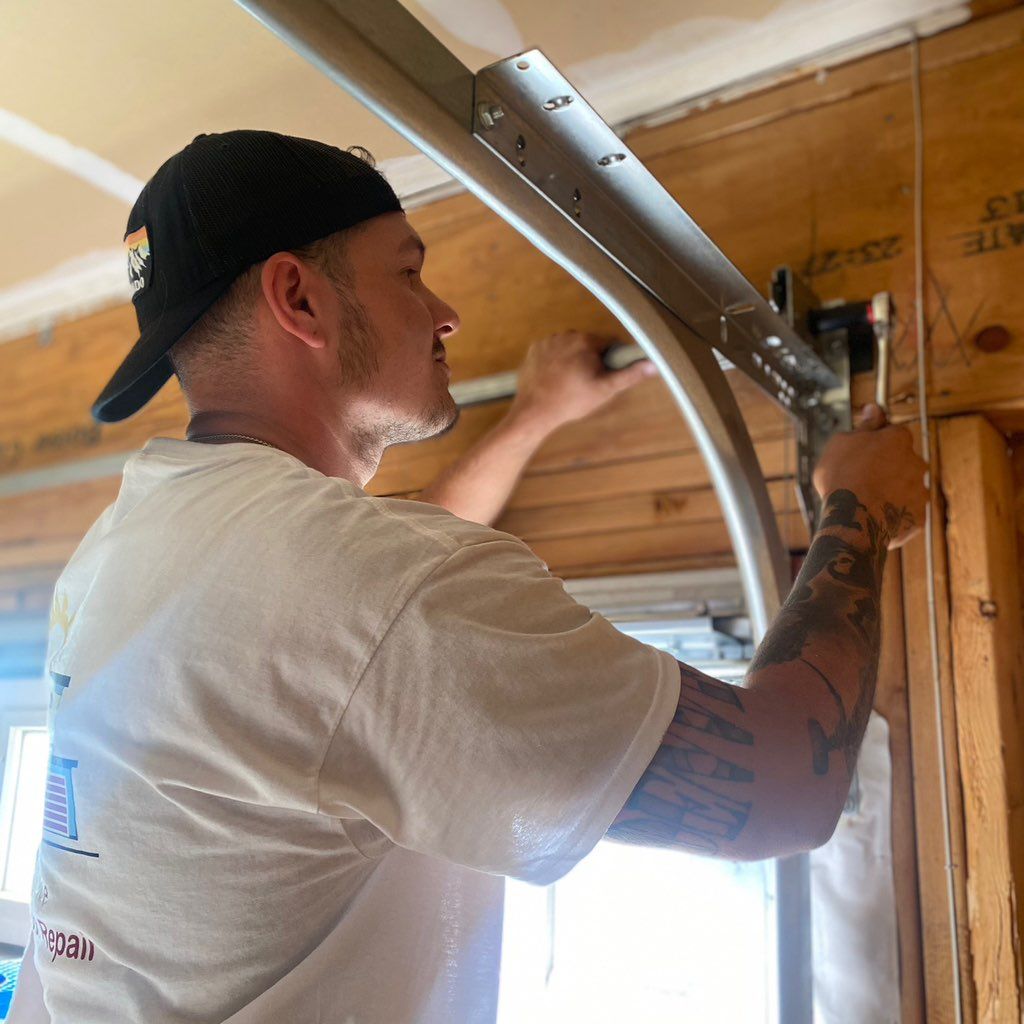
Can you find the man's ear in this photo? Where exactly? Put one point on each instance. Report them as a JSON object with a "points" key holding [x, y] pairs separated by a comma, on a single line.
{"points": [[297, 297]]}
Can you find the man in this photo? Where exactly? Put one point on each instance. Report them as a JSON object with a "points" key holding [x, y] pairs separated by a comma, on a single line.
{"points": [[300, 733]]}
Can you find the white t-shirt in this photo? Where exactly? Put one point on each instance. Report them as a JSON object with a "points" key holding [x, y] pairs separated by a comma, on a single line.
{"points": [[299, 735]]}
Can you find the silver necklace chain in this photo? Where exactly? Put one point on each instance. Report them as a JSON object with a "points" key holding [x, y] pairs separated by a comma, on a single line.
{"points": [[241, 437]]}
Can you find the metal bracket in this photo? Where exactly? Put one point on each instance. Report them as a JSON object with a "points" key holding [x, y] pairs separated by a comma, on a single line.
{"points": [[825, 413], [529, 114], [821, 422], [828, 328]]}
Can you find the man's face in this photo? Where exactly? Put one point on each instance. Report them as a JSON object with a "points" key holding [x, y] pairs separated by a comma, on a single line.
{"points": [[396, 390]]}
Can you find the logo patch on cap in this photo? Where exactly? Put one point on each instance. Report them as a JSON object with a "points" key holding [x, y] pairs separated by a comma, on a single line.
{"points": [[139, 259]]}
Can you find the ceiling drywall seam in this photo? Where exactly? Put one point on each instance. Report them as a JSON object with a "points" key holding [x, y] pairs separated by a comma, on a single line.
{"points": [[82, 285], [820, 63], [664, 76], [82, 163], [99, 280], [76, 288]]}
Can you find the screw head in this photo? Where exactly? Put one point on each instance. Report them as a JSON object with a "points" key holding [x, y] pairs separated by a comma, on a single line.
{"points": [[489, 113]]}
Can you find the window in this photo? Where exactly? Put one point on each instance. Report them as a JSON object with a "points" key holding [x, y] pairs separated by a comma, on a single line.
{"points": [[21, 813], [662, 936], [637, 934], [633, 933], [21, 818], [601, 945]]}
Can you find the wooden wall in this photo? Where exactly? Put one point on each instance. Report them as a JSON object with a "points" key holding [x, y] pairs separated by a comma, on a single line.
{"points": [[986, 649], [817, 173]]}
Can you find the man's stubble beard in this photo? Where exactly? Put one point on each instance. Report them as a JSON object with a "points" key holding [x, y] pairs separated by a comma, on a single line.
{"points": [[359, 364], [437, 422]]}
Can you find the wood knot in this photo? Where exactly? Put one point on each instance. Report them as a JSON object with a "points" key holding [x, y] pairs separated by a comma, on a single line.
{"points": [[668, 503], [992, 339], [988, 609]]}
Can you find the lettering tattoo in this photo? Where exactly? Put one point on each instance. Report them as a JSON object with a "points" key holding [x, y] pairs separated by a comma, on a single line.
{"points": [[691, 794]]}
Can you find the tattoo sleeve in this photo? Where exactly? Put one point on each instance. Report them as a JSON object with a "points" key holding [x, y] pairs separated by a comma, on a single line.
{"points": [[827, 634], [726, 760]]}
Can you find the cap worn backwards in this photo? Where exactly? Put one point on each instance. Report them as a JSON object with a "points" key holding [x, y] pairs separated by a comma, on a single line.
{"points": [[222, 204]]}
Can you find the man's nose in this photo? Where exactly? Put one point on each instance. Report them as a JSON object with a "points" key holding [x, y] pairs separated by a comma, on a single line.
{"points": [[446, 320]]}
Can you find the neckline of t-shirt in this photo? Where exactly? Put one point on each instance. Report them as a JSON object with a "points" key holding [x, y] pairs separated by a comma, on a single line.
{"points": [[176, 448], [191, 452]]}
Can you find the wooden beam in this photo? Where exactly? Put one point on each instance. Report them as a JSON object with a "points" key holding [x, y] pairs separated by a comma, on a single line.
{"points": [[641, 423], [664, 507], [586, 554], [891, 701], [683, 470], [986, 642], [985, 8]]}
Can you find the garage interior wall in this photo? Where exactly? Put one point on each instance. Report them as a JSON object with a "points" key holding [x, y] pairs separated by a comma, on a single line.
{"points": [[816, 172]]}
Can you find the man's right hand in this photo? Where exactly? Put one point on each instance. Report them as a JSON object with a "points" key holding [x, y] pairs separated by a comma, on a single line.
{"points": [[877, 462], [764, 771]]}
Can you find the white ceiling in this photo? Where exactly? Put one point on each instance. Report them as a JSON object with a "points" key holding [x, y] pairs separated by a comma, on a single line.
{"points": [[95, 96]]}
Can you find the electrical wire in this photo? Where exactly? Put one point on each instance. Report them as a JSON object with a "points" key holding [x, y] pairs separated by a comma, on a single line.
{"points": [[929, 540]]}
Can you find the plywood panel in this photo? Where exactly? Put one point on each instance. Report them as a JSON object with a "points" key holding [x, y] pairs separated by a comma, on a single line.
{"points": [[640, 475], [819, 174], [55, 514]]}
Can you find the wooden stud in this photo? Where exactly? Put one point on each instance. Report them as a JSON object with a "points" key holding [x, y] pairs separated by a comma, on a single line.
{"points": [[977, 482], [891, 702]]}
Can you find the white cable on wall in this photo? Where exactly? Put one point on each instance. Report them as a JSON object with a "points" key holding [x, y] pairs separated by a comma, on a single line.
{"points": [[929, 541]]}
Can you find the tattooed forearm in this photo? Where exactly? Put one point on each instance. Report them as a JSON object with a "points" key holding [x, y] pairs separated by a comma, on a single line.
{"points": [[828, 629], [849, 728], [733, 776], [689, 795]]}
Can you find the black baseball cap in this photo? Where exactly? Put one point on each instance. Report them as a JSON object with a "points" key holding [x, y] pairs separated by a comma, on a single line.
{"points": [[222, 204]]}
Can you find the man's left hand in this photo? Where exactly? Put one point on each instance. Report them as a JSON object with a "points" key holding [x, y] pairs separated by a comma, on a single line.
{"points": [[563, 378]]}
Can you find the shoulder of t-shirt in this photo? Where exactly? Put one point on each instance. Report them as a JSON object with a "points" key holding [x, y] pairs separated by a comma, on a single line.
{"points": [[430, 533]]}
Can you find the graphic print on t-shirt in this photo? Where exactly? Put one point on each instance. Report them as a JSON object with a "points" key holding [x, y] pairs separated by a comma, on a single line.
{"points": [[60, 815], [60, 684], [59, 810]]}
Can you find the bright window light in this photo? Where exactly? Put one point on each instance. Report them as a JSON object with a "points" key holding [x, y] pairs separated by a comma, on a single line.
{"points": [[21, 808], [635, 933]]}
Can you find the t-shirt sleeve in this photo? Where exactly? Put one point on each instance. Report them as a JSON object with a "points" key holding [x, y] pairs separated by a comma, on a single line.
{"points": [[500, 724]]}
